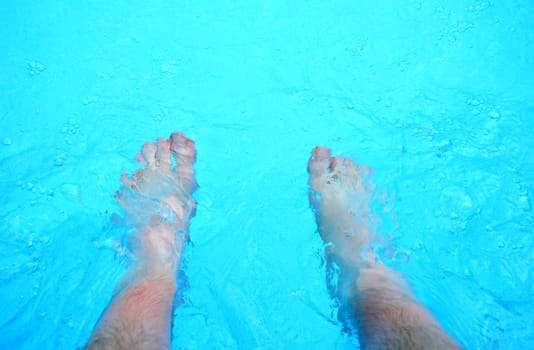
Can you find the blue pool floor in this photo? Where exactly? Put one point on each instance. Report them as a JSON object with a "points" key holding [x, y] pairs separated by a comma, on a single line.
{"points": [[435, 96]]}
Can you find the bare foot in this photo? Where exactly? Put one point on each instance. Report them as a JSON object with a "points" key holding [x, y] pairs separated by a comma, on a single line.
{"points": [[340, 195], [387, 313], [158, 201]]}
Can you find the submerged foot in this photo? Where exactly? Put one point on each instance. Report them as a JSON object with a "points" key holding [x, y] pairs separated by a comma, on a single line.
{"points": [[158, 202], [387, 313], [340, 196]]}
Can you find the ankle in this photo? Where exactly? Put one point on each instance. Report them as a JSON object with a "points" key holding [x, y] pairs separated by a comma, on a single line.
{"points": [[137, 277]]}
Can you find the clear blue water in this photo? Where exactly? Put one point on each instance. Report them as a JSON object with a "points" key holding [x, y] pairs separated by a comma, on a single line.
{"points": [[436, 96]]}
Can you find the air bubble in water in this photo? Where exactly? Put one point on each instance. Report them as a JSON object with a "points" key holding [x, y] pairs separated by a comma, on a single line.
{"points": [[494, 114]]}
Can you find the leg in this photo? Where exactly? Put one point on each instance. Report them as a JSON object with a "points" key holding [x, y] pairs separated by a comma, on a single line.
{"points": [[157, 199], [387, 313]]}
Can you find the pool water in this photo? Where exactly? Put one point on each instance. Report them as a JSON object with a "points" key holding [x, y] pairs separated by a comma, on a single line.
{"points": [[436, 96]]}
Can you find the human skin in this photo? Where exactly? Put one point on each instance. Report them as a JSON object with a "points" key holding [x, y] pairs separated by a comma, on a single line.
{"points": [[157, 199], [387, 313]]}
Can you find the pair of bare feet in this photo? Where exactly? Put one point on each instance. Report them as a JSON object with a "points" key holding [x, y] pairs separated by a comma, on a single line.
{"points": [[158, 200]]}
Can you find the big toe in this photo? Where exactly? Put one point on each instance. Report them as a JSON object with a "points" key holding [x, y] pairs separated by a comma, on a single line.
{"points": [[184, 153], [183, 149], [319, 161]]}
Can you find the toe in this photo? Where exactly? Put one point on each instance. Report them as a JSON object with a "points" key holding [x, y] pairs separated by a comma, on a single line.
{"points": [[337, 164], [184, 153], [319, 161], [183, 149], [163, 154], [147, 154], [128, 182], [124, 197], [350, 169]]}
